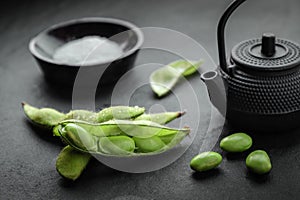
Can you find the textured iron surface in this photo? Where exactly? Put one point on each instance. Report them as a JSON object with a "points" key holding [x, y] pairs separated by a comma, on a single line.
{"points": [[247, 54]]}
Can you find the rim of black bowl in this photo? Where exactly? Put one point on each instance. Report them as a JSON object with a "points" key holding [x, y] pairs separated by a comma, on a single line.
{"points": [[129, 25]]}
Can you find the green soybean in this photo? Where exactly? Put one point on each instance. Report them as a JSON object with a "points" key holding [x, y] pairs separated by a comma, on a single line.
{"points": [[237, 142], [45, 117], [147, 145], [70, 163], [205, 161], [117, 145], [78, 137], [160, 118], [259, 162], [119, 112]]}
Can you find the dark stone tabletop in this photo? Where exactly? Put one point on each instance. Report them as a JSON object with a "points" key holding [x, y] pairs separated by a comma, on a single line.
{"points": [[27, 154]]}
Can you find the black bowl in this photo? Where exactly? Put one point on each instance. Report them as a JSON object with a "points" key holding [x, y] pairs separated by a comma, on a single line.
{"points": [[44, 45]]}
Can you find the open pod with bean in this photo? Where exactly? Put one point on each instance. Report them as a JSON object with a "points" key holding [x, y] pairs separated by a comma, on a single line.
{"points": [[120, 137], [73, 159], [49, 118]]}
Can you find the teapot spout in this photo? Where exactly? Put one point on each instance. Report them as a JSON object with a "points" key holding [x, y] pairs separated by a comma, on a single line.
{"points": [[216, 90]]}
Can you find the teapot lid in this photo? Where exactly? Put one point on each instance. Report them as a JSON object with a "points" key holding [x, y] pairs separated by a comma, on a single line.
{"points": [[266, 54]]}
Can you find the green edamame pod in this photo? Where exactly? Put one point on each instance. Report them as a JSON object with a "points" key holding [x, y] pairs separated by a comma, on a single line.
{"points": [[44, 117], [185, 67], [167, 138], [172, 139], [70, 162], [48, 117], [78, 137], [147, 145], [259, 162], [140, 128], [160, 118], [119, 112], [55, 131], [105, 114], [116, 145], [95, 129], [237, 142], [205, 161], [83, 115], [164, 79]]}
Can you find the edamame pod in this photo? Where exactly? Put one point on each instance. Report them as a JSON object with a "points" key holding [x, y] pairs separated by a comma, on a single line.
{"points": [[164, 79], [117, 145], [83, 115], [119, 112], [70, 163], [259, 162], [55, 131], [185, 67], [147, 145], [160, 118], [167, 138], [95, 129], [140, 128], [44, 117], [78, 137], [237, 142], [205, 161], [172, 140], [48, 117]]}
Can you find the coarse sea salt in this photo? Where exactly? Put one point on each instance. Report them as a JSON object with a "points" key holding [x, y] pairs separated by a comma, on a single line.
{"points": [[88, 50]]}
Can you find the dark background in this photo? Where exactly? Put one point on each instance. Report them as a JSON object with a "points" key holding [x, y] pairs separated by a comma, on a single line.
{"points": [[27, 155]]}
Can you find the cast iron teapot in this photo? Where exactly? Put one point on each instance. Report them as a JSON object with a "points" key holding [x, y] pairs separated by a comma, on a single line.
{"points": [[258, 88]]}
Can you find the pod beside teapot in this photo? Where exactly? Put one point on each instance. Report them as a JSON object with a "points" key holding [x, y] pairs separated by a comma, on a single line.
{"points": [[258, 88]]}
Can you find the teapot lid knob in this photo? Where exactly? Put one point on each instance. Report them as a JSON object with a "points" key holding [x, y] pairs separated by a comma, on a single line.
{"points": [[268, 44]]}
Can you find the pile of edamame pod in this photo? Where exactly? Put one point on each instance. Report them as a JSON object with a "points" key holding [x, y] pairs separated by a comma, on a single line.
{"points": [[114, 131]]}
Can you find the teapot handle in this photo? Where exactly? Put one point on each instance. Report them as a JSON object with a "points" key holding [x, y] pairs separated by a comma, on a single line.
{"points": [[221, 32]]}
